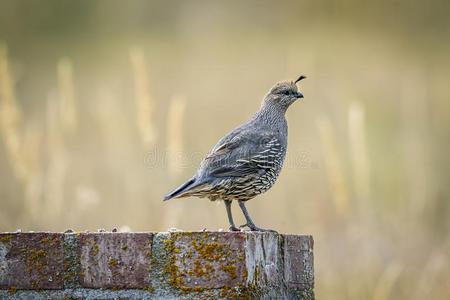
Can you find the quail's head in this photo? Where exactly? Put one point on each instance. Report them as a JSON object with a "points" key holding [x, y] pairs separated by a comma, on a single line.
{"points": [[283, 94]]}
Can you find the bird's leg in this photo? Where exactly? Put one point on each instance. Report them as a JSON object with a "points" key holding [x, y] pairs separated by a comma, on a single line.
{"points": [[230, 216], [250, 223]]}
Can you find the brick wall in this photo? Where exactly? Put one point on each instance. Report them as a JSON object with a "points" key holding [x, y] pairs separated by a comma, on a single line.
{"points": [[181, 265]]}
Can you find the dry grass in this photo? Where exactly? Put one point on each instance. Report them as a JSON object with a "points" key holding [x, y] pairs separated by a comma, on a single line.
{"points": [[175, 139], [358, 152], [67, 95], [11, 116], [144, 104], [333, 165], [57, 162]]}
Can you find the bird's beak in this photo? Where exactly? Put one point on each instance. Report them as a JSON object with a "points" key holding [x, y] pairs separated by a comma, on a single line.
{"points": [[299, 95]]}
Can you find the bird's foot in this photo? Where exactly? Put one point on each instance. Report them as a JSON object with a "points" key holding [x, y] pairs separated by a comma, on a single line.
{"points": [[253, 227], [233, 228]]}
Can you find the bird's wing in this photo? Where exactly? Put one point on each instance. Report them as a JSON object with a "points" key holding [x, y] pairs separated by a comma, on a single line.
{"points": [[245, 154]]}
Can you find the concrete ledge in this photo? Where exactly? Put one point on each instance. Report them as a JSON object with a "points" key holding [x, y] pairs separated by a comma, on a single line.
{"points": [[176, 265]]}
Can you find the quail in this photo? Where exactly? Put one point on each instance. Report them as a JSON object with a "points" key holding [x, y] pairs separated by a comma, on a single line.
{"points": [[247, 161]]}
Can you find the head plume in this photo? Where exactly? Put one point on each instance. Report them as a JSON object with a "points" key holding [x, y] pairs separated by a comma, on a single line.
{"points": [[283, 94], [300, 78]]}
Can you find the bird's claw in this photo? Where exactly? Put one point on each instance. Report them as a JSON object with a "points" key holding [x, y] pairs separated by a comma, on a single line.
{"points": [[262, 229], [253, 227], [233, 228]]}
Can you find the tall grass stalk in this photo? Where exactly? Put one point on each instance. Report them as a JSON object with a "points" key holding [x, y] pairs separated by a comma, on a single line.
{"points": [[57, 161], [10, 116], [32, 154], [358, 152], [106, 111], [333, 166], [386, 282], [416, 133], [67, 95], [175, 122], [144, 102], [434, 274], [175, 161]]}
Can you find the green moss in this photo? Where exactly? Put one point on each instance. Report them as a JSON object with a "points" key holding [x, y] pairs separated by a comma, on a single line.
{"points": [[71, 258], [149, 289], [211, 251], [50, 241], [34, 285], [68, 277], [95, 249], [112, 262], [231, 270], [12, 289], [205, 258], [6, 238], [37, 254], [171, 269], [238, 292], [35, 260], [199, 270], [81, 273]]}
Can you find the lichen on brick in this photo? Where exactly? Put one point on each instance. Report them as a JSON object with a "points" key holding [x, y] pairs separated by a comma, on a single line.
{"points": [[184, 265], [115, 260], [95, 249], [12, 289], [205, 260], [35, 260], [112, 263], [6, 237]]}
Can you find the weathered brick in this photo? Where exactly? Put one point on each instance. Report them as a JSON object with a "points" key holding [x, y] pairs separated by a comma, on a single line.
{"points": [[298, 261], [263, 259], [71, 261], [211, 265], [207, 260], [115, 260], [31, 260]]}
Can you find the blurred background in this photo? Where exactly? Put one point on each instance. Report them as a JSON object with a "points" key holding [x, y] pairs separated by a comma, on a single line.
{"points": [[105, 106]]}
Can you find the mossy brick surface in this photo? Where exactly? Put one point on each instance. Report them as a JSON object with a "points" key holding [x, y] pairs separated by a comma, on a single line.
{"points": [[115, 260], [31, 261], [207, 260], [165, 265]]}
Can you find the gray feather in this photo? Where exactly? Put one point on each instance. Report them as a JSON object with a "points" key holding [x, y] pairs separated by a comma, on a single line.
{"points": [[248, 160]]}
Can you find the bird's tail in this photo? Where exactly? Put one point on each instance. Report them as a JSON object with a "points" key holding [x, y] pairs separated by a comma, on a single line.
{"points": [[181, 189]]}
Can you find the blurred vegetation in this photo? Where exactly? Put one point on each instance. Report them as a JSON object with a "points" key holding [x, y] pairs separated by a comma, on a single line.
{"points": [[107, 105]]}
